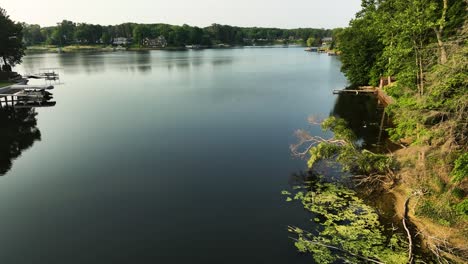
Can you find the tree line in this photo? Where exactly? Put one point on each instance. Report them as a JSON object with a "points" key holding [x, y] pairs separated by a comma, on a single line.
{"points": [[402, 38], [68, 32]]}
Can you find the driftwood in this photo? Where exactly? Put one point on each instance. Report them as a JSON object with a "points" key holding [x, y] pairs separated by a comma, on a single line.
{"points": [[307, 142]]}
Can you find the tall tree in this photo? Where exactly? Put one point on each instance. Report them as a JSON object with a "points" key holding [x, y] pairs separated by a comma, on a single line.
{"points": [[32, 34], [140, 32], [11, 41], [311, 41], [64, 33]]}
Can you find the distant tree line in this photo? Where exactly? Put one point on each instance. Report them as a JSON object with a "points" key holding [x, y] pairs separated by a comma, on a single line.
{"points": [[68, 32]]}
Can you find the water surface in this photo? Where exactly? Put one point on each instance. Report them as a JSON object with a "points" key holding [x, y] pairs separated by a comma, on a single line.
{"points": [[161, 157]]}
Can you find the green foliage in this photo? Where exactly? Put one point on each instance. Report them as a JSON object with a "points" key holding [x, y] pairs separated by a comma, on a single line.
{"points": [[439, 210], [348, 229], [64, 33], [422, 44], [344, 150], [32, 34], [11, 36], [87, 33], [105, 38], [340, 129], [460, 170], [458, 193], [322, 151], [369, 163], [462, 208], [361, 49], [311, 42]]}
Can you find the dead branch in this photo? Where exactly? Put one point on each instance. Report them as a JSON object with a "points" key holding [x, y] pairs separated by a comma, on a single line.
{"points": [[315, 120], [307, 141], [408, 233], [442, 249]]}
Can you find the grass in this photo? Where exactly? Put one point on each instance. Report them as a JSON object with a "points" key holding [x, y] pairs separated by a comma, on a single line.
{"points": [[5, 83], [69, 48]]}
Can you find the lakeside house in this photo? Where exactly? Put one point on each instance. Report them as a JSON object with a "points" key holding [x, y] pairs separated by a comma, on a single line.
{"points": [[326, 42], [159, 42], [121, 41]]}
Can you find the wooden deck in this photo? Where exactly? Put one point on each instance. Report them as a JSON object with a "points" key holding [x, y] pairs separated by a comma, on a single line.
{"points": [[384, 98], [358, 91], [381, 95]]}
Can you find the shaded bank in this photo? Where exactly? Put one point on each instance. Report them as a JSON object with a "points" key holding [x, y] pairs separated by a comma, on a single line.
{"points": [[19, 132], [361, 128], [363, 114]]}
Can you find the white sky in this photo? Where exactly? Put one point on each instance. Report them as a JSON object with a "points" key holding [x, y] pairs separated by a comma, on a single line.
{"points": [[261, 13]]}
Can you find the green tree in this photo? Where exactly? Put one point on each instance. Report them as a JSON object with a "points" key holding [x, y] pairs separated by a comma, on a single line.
{"points": [[140, 32], [32, 34], [64, 33], [195, 35], [106, 37], [361, 49], [11, 40], [311, 41]]}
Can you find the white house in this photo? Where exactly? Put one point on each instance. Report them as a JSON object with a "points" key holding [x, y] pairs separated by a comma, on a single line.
{"points": [[159, 42], [121, 41]]}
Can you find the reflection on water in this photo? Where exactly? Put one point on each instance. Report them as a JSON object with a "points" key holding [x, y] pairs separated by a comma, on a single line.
{"points": [[363, 115], [142, 62], [222, 61], [18, 133], [165, 157]]}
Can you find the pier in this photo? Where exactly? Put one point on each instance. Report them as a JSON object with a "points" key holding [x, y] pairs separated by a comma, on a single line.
{"points": [[364, 89], [22, 95], [379, 92]]}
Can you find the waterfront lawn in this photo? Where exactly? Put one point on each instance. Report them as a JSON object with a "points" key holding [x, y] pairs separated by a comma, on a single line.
{"points": [[5, 83]]}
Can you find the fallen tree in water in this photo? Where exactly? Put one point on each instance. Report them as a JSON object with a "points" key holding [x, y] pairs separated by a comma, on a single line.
{"points": [[369, 169]]}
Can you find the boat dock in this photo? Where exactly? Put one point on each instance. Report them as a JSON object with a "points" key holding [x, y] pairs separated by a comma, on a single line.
{"points": [[364, 89], [381, 95], [26, 96], [24, 93]]}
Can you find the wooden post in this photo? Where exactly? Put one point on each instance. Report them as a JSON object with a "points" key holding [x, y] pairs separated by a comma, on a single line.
{"points": [[381, 126]]}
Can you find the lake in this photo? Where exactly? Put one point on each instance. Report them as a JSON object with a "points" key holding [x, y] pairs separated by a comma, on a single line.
{"points": [[163, 157]]}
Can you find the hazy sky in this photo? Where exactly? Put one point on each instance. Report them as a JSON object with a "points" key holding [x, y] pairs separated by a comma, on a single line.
{"points": [[262, 13]]}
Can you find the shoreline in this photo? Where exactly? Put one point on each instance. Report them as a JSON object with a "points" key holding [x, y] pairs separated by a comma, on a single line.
{"points": [[109, 48]]}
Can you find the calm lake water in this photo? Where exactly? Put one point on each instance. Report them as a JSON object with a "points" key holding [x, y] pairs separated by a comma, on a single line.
{"points": [[163, 157]]}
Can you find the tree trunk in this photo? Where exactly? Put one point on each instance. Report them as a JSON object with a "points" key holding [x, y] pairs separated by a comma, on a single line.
{"points": [[417, 72], [421, 75], [440, 44], [439, 34]]}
